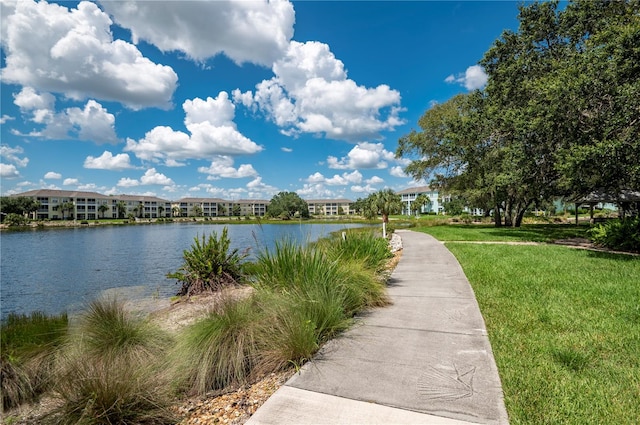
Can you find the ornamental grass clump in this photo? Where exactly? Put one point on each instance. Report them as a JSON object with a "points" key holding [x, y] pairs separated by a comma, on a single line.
{"points": [[364, 246], [26, 359], [110, 370], [210, 265], [219, 350]]}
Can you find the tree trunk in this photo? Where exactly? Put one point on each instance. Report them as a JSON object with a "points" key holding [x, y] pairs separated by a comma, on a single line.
{"points": [[508, 210], [497, 217], [522, 209]]}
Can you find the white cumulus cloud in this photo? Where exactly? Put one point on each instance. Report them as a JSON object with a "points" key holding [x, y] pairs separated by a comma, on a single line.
{"points": [[70, 182], [473, 78], [310, 93], [91, 123], [212, 132], [52, 175], [256, 31], [8, 171], [108, 161], [363, 156], [72, 51], [151, 177], [222, 166], [10, 154]]}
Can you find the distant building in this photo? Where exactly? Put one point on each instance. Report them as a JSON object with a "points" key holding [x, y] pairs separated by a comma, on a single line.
{"points": [[329, 206], [89, 205], [409, 196]]}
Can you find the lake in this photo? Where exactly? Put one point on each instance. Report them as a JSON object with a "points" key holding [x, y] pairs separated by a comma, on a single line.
{"points": [[57, 270]]}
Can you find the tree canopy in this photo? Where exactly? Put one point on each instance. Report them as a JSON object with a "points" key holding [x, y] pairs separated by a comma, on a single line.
{"points": [[560, 115], [21, 205], [288, 205]]}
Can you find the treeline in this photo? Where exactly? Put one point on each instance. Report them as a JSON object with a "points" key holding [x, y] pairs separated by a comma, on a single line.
{"points": [[559, 116]]}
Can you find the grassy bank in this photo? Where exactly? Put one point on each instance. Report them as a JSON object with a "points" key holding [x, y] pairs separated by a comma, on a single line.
{"points": [[564, 324], [116, 367]]}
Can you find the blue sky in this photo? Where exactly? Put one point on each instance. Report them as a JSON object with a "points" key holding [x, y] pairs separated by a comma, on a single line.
{"points": [[236, 100]]}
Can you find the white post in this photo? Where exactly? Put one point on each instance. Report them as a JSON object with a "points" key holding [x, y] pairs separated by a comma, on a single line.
{"points": [[384, 230]]}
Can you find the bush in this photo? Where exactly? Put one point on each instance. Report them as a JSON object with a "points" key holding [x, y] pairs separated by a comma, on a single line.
{"points": [[209, 266], [13, 219], [366, 247], [622, 235], [109, 371], [26, 359], [219, 350]]}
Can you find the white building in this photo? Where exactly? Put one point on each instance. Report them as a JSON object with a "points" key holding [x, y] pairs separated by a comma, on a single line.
{"points": [[409, 196]]}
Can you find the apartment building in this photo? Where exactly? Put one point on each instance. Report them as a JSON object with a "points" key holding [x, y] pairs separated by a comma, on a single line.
{"points": [[409, 196], [329, 207], [81, 205]]}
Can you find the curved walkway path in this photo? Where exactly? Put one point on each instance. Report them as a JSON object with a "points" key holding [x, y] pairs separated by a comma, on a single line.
{"points": [[426, 359]]}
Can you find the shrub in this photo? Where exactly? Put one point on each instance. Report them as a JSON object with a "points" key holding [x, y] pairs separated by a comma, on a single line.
{"points": [[219, 350], [366, 247], [28, 344], [209, 266], [623, 235], [109, 370], [295, 326], [13, 219]]}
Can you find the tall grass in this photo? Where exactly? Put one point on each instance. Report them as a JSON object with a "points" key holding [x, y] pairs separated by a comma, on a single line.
{"points": [[218, 350], [310, 295], [26, 347], [364, 246], [109, 370]]}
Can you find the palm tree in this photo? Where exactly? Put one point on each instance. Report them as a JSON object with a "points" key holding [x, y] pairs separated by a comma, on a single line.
{"points": [[121, 207], [420, 201], [66, 206], [176, 211], [160, 210], [139, 209], [222, 210], [197, 210], [386, 202], [103, 208]]}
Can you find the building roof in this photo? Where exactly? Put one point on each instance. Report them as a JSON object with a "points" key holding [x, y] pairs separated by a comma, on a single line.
{"points": [[199, 200], [598, 196], [417, 189], [60, 193], [328, 201]]}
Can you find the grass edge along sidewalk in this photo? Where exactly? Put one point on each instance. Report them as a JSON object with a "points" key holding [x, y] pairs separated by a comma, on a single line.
{"points": [[564, 326]]}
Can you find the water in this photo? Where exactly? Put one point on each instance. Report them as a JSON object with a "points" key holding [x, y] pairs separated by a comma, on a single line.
{"points": [[57, 270]]}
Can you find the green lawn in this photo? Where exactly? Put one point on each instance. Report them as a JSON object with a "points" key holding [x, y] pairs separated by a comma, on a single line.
{"points": [[564, 326], [526, 233]]}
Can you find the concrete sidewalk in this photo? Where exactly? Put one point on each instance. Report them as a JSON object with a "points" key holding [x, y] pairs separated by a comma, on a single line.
{"points": [[426, 359]]}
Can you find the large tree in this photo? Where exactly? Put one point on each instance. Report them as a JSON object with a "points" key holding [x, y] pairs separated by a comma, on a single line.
{"points": [[22, 205], [287, 205], [559, 115]]}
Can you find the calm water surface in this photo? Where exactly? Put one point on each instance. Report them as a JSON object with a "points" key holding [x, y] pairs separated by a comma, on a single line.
{"points": [[56, 270]]}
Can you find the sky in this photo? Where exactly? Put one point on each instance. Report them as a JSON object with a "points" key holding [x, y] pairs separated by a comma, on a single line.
{"points": [[229, 99]]}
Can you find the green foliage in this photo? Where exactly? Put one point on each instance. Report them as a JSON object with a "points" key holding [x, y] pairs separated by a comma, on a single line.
{"points": [[209, 266], [621, 235], [109, 370], [219, 350], [21, 205], [362, 246], [26, 357], [454, 206], [558, 115], [17, 220], [289, 205], [107, 330]]}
